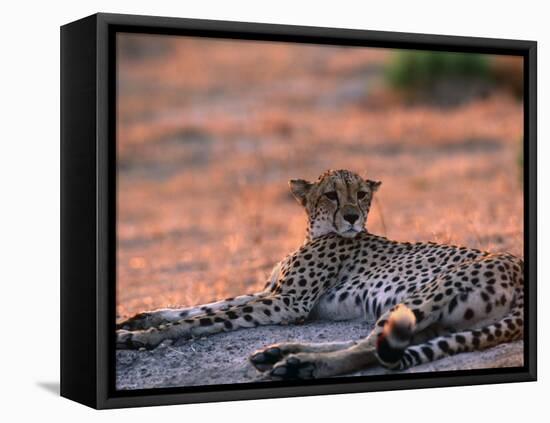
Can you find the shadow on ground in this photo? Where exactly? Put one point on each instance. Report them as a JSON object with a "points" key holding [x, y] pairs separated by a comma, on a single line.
{"points": [[222, 358], [51, 387]]}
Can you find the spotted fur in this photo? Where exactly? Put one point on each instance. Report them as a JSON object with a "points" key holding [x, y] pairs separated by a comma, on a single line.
{"points": [[428, 300]]}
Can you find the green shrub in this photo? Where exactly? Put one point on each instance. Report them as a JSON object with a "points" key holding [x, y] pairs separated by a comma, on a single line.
{"points": [[412, 69]]}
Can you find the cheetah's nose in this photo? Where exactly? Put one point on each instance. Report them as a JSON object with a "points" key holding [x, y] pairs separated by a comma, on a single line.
{"points": [[351, 218]]}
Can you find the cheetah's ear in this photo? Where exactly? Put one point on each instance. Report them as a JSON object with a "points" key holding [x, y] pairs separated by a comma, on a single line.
{"points": [[373, 185], [300, 189]]}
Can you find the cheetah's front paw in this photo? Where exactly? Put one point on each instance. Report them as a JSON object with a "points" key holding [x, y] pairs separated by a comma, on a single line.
{"points": [[127, 340], [148, 339], [266, 358], [295, 366]]}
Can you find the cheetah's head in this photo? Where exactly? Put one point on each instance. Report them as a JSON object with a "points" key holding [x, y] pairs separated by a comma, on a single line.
{"points": [[339, 202]]}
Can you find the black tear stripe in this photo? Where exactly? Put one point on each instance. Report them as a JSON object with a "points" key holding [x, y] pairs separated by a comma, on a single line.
{"points": [[360, 209], [336, 211]]}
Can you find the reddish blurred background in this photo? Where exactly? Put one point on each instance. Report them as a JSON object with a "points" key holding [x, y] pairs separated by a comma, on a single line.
{"points": [[209, 132]]}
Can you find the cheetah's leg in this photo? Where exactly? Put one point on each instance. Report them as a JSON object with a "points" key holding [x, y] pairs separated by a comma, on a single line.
{"points": [[395, 326], [274, 309], [156, 318], [265, 358]]}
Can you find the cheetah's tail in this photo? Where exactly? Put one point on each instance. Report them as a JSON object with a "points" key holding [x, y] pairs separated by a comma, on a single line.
{"points": [[395, 336], [508, 329]]}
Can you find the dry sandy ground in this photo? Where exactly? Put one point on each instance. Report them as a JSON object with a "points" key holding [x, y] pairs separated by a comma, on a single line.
{"points": [[222, 359]]}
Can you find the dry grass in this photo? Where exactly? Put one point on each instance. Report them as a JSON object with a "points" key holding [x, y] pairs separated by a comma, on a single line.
{"points": [[209, 133]]}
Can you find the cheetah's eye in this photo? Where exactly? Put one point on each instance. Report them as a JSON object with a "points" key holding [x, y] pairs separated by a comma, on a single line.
{"points": [[331, 195], [361, 195]]}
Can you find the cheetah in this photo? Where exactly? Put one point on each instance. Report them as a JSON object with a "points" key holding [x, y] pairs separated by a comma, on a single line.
{"points": [[427, 300]]}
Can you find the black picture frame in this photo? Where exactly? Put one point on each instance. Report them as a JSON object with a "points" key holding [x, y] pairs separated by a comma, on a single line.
{"points": [[88, 208]]}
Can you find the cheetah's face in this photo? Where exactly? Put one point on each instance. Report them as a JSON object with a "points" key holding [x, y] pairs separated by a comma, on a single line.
{"points": [[338, 202]]}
